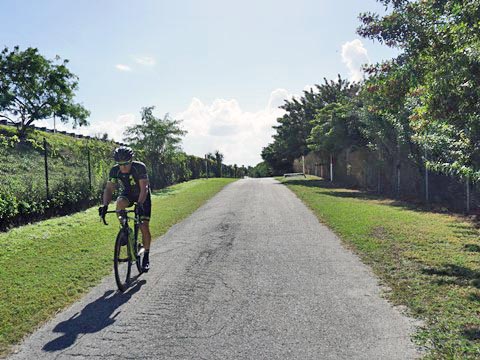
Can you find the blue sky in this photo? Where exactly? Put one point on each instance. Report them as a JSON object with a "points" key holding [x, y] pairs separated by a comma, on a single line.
{"points": [[221, 66]]}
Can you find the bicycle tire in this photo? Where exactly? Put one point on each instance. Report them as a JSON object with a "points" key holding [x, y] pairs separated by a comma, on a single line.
{"points": [[122, 262]]}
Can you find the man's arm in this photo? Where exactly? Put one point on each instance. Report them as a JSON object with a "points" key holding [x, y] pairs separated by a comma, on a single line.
{"points": [[108, 193], [143, 183]]}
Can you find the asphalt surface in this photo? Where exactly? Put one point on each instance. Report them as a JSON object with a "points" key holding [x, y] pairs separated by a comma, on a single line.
{"points": [[250, 275]]}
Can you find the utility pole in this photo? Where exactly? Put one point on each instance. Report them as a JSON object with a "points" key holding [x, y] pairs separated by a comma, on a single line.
{"points": [[468, 194]]}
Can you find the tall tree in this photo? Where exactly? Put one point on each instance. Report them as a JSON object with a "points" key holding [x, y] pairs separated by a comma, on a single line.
{"points": [[33, 88], [218, 163]]}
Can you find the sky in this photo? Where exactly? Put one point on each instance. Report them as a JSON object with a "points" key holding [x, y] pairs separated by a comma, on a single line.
{"points": [[222, 67]]}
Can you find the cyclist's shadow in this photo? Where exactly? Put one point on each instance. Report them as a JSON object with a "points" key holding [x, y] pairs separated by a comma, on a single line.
{"points": [[93, 318]]}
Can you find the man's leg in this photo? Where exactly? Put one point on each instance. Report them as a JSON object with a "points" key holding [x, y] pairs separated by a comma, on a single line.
{"points": [[147, 238]]}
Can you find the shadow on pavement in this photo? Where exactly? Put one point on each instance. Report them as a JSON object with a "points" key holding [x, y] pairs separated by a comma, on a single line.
{"points": [[93, 318]]}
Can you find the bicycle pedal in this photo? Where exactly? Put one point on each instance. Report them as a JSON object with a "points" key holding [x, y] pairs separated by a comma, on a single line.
{"points": [[141, 251]]}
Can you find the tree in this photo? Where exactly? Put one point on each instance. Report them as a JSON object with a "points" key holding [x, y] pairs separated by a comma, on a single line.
{"points": [[218, 161], [440, 44], [33, 88], [157, 141], [295, 127], [336, 126], [260, 170]]}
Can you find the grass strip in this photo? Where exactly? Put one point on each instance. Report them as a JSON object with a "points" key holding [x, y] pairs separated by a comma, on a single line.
{"points": [[430, 261], [48, 265]]}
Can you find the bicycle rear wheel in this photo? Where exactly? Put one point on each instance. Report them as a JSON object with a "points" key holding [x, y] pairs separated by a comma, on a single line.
{"points": [[122, 262]]}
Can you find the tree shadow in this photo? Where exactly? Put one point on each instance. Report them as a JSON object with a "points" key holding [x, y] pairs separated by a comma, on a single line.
{"points": [[471, 332], [454, 274], [342, 192], [409, 203], [93, 318], [474, 297], [163, 191], [472, 247]]}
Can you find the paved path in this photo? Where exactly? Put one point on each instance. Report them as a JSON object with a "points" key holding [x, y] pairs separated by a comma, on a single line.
{"points": [[250, 275]]}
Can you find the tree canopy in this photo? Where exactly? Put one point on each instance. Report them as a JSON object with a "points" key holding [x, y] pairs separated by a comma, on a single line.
{"points": [[33, 88], [435, 81], [156, 140]]}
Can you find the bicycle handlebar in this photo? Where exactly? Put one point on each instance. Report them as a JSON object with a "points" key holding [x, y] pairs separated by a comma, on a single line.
{"points": [[117, 212]]}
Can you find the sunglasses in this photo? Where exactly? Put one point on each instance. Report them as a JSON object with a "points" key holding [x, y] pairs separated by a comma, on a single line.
{"points": [[124, 163]]}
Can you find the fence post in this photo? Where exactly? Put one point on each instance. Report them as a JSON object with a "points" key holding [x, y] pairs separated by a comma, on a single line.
{"points": [[468, 194], [426, 179], [206, 166], [398, 179], [46, 165], [331, 167], [379, 179], [89, 168]]}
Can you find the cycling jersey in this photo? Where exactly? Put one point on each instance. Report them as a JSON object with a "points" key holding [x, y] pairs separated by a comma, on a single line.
{"points": [[130, 181]]}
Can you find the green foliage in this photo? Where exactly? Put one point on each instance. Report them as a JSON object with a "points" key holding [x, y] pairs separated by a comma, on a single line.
{"points": [[33, 88], [322, 119], [218, 163], [23, 194], [435, 81], [337, 125], [262, 169]]}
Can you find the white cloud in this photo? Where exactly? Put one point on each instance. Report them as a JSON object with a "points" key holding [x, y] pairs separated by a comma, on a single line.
{"points": [[114, 127], [145, 60], [277, 98], [224, 126], [354, 55], [123, 67]]}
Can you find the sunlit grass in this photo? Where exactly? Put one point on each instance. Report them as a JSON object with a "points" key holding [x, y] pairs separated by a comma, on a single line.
{"points": [[430, 261], [48, 265]]}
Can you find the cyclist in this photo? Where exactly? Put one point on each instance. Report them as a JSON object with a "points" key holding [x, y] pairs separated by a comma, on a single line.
{"points": [[133, 178]]}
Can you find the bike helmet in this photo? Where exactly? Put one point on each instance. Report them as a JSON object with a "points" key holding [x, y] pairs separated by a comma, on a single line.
{"points": [[123, 154]]}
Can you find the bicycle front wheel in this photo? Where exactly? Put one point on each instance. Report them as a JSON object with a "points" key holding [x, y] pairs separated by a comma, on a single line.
{"points": [[122, 262]]}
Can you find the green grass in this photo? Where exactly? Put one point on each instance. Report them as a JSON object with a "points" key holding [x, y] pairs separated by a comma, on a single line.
{"points": [[430, 261], [48, 265]]}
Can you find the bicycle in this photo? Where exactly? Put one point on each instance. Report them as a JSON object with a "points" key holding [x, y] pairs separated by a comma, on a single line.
{"points": [[127, 249]]}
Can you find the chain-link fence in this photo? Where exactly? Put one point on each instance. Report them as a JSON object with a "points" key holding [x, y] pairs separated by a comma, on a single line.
{"points": [[403, 179], [50, 174], [43, 177]]}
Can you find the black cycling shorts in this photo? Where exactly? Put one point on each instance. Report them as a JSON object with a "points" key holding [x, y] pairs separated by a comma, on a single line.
{"points": [[147, 205]]}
